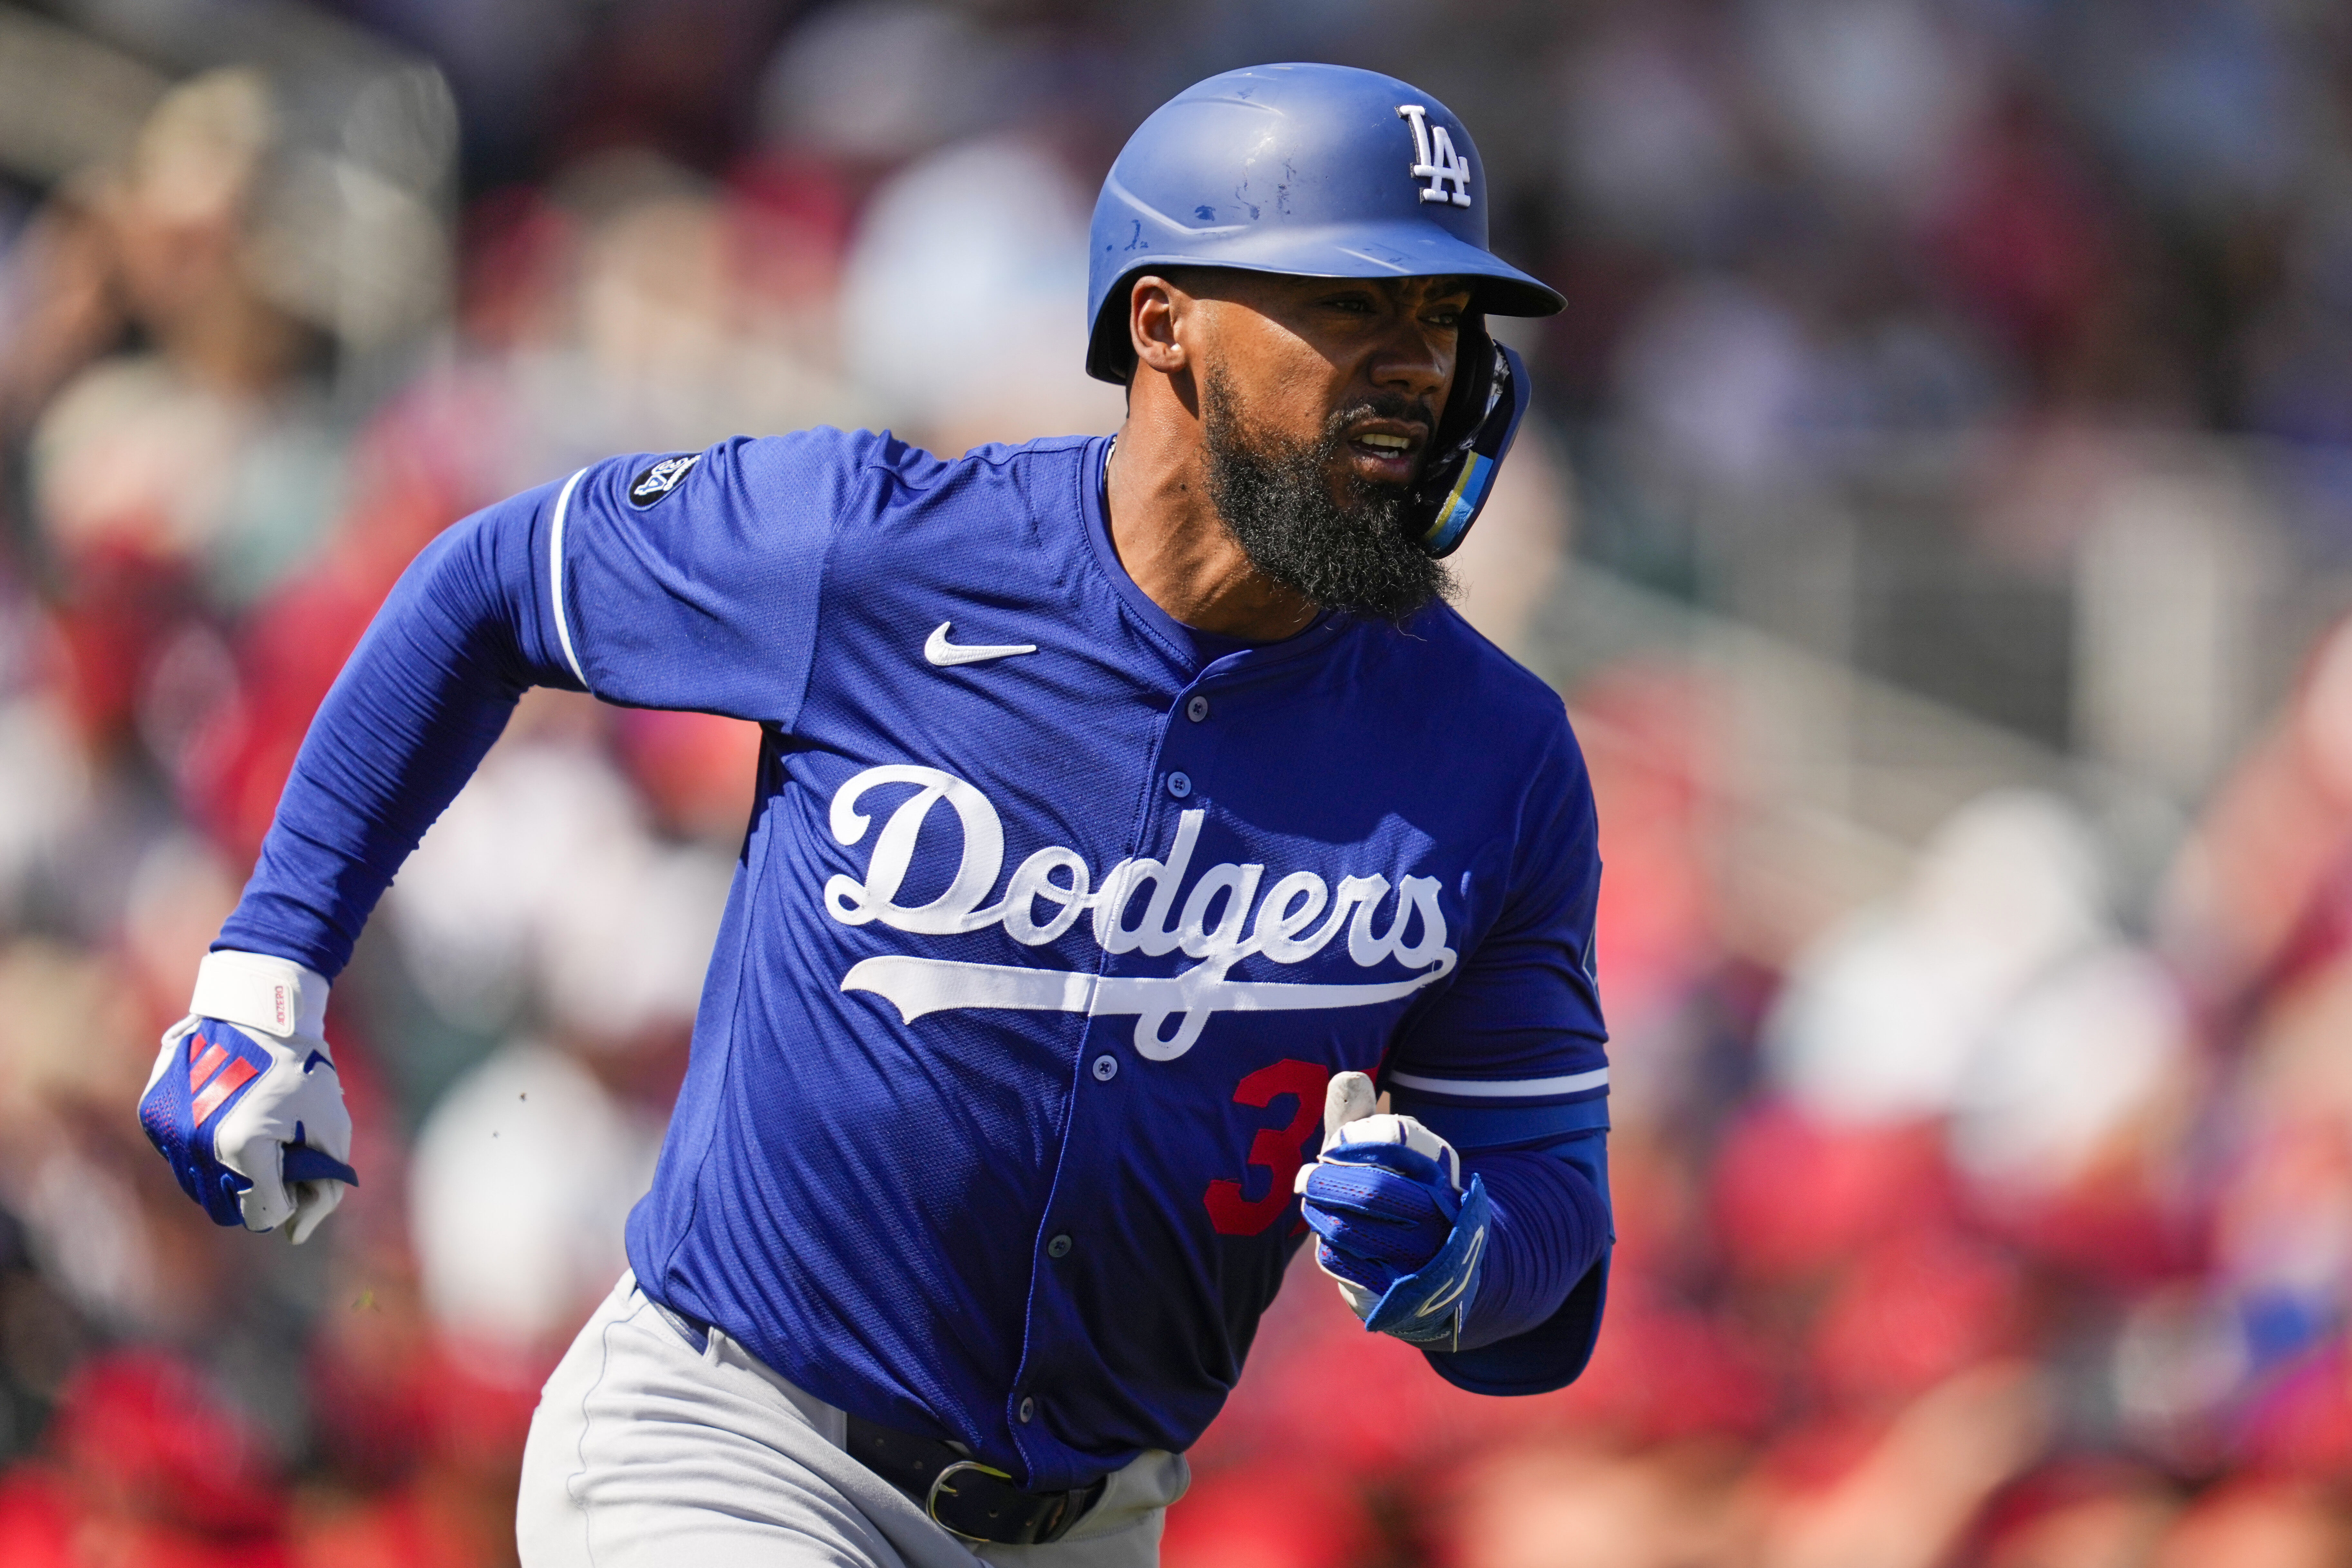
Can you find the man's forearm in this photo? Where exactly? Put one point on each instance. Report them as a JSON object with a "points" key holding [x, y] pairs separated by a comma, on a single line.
{"points": [[1549, 1228], [423, 698]]}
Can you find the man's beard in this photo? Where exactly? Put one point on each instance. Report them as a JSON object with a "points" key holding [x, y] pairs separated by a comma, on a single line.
{"points": [[1275, 498]]}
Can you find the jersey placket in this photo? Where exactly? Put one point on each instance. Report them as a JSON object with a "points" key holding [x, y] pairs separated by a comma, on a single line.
{"points": [[1113, 1084], [1109, 1073]]}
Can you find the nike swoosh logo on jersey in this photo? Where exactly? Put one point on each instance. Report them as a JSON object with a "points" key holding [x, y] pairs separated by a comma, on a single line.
{"points": [[937, 651]]}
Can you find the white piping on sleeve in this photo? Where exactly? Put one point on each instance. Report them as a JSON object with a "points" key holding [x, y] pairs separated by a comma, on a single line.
{"points": [[1507, 1089], [555, 575]]}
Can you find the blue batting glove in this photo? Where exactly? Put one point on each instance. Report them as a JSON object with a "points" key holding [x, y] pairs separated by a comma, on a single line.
{"points": [[244, 1101], [1428, 1306], [1393, 1227]]}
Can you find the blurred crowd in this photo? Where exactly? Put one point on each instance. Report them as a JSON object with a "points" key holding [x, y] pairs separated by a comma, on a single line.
{"points": [[2001, 1218]]}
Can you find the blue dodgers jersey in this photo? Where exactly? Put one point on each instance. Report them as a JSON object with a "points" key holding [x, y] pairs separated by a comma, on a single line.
{"points": [[1052, 921]]}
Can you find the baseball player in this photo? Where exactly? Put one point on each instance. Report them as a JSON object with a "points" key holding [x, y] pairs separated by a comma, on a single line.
{"points": [[1131, 812]]}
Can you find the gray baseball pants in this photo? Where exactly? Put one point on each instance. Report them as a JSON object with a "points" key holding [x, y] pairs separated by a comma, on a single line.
{"points": [[643, 1452]]}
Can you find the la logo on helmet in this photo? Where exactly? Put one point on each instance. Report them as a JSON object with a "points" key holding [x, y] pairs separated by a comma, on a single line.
{"points": [[1434, 159]]}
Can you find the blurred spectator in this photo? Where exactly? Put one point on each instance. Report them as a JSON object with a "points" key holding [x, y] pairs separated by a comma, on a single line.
{"points": [[880, 82], [1995, 984], [508, 1280], [185, 477], [2259, 1526], [964, 313], [1565, 1507], [2079, 1516], [1723, 376], [1908, 1497], [144, 1464]]}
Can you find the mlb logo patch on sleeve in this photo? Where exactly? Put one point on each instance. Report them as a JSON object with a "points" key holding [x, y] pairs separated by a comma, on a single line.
{"points": [[660, 479]]}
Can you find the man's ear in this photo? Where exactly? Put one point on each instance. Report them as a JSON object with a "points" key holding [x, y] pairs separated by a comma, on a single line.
{"points": [[1155, 308]]}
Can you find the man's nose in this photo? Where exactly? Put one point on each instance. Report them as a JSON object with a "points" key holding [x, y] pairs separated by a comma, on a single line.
{"points": [[1409, 361]]}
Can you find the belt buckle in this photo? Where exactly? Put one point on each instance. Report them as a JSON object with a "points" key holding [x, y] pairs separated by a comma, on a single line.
{"points": [[939, 1484]]}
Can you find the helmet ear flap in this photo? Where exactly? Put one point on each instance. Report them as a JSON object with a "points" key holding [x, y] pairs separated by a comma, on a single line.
{"points": [[1482, 415]]}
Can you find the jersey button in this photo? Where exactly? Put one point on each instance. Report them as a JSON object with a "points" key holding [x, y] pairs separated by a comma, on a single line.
{"points": [[1058, 1247], [1180, 785], [1197, 709], [1028, 1409], [1105, 1067]]}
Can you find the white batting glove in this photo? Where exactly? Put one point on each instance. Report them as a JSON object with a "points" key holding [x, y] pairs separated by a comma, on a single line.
{"points": [[244, 1102], [1380, 1218]]}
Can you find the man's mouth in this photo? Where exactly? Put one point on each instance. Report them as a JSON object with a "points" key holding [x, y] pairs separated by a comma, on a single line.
{"points": [[1387, 450]]}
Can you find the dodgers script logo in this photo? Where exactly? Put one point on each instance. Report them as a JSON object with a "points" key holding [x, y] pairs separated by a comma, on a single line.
{"points": [[1133, 910]]}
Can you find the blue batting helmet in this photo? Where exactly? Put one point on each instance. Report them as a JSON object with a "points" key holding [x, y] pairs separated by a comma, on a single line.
{"points": [[1323, 171], [1314, 170]]}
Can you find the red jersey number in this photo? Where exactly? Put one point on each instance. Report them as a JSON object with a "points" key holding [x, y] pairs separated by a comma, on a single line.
{"points": [[1278, 1150]]}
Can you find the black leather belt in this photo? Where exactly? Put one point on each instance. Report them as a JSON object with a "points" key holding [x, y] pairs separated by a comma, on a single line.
{"points": [[964, 1496], [961, 1495]]}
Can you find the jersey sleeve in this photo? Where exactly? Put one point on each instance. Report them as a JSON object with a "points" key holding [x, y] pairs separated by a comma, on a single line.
{"points": [[692, 580], [1512, 1061], [689, 581], [1520, 1029], [463, 632]]}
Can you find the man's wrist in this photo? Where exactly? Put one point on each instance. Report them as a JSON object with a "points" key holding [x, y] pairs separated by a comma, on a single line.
{"points": [[258, 992], [1429, 1306]]}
